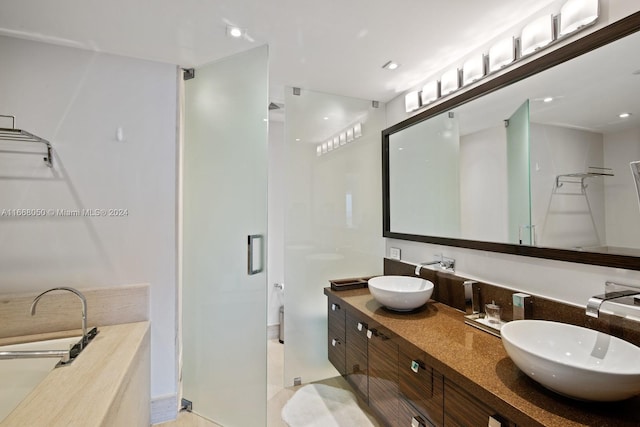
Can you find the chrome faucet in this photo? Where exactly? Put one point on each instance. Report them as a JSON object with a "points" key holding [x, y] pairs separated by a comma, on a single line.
{"points": [[445, 263], [85, 336], [595, 302]]}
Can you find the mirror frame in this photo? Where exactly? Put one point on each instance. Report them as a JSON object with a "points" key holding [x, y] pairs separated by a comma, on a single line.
{"points": [[585, 44]]}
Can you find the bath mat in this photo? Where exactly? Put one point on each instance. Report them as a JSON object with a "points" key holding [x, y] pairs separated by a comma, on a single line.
{"points": [[319, 405]]}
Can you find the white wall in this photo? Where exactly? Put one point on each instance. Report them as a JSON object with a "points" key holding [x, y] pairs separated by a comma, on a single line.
{"points": [[483, 185], [563, 216], [623, 222], [77, 99], [568, 282]]}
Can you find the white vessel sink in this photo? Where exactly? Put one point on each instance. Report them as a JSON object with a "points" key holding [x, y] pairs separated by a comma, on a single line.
{"points": [[576, 362], [400, 293]]}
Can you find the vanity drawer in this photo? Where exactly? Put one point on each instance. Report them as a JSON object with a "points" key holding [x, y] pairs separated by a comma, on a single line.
{"points": [[336, 329], [357, 371], [337, 349], [356, 333], [336, 312], [421, 385], [463, 410], [408, 416], [383, 379]]}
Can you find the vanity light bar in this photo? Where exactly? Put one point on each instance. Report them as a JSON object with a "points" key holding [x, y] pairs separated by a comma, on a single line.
{"points": [[543, 31], [429, 92], [502, 54], [473, 70], [412, 101], [536, 35], [449, 82], [343, 138], [577, 14]]}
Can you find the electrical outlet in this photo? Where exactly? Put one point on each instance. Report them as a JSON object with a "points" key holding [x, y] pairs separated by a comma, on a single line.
{"points": [[394, 253]]}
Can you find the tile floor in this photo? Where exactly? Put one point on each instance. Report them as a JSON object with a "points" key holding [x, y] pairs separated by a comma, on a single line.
{"points": [[277, 394]]}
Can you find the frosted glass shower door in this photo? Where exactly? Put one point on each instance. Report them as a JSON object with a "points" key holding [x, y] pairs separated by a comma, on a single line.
{"points": [[333, 217], [224, 209], [518, 177]]}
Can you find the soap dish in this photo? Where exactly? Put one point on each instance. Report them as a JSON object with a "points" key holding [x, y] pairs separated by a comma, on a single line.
{"points": [[345, 284], [480, 322]]}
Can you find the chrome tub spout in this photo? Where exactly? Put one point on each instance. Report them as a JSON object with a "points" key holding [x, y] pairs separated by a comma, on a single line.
{"points": [[85, 337], [63, 355]]}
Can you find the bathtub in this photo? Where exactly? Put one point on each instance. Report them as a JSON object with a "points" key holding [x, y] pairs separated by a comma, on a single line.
{"points": [[20, 376]]}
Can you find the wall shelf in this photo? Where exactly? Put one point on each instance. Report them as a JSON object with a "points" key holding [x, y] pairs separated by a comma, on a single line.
{"points": [[20, 135]]}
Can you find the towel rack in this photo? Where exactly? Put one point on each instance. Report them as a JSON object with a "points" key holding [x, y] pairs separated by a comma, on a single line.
{"points": [[13, 134], [591, 173]]}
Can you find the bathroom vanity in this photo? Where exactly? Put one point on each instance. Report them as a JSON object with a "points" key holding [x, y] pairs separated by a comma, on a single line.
{"points": [[428, 368]]}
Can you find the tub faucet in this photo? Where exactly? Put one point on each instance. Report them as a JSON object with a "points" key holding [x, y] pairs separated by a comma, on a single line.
{"points": [[595, 302], [85, 336]]}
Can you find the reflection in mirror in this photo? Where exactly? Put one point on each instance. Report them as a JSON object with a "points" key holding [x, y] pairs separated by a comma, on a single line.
{"points": [[424, 177], [521, 230], [571, 188]]}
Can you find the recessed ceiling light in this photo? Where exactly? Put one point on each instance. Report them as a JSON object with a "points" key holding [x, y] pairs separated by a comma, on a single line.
{"points": [[297, 139], [234, 31], [390, 65], [548, 99], [326, 118], [624, 115]]}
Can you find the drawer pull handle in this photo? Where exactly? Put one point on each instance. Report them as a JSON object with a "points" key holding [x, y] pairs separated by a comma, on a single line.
{"points": [[417, 422], [335, 307], [369, 333], [415, 366], [494, 422], [361, 326], [335, 342]]}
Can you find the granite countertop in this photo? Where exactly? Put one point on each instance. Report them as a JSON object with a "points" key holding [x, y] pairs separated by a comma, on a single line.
{"points": [[478, 362], [82, 393]]}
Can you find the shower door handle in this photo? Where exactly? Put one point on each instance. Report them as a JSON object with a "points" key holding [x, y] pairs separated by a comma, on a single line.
{"points": [[255, 254]]}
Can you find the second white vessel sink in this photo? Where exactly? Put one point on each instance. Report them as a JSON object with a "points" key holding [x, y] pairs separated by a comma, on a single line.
{"points": [[400, 293], [576, 362]]}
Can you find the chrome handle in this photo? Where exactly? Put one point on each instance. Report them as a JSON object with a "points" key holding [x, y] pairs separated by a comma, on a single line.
{"points": [[335, 342], [253, 256], [417, 421], [335, 307]]}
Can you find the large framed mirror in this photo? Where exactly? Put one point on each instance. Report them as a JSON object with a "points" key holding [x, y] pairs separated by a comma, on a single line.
{"points": [[534, 162]]}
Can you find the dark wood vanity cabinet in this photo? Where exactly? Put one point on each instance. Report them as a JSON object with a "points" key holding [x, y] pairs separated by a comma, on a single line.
{"points": [[395, 378], [336, 335], [421, 389], [461, 409], [357, 358], [383, 375]]}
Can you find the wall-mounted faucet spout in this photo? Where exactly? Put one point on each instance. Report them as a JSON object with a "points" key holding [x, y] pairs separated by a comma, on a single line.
{"points": [[85, 337], [445, 263], [595, 302]]}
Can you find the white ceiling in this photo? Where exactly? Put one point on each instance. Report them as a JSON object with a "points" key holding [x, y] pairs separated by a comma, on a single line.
{"points": [[333, 46]]}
